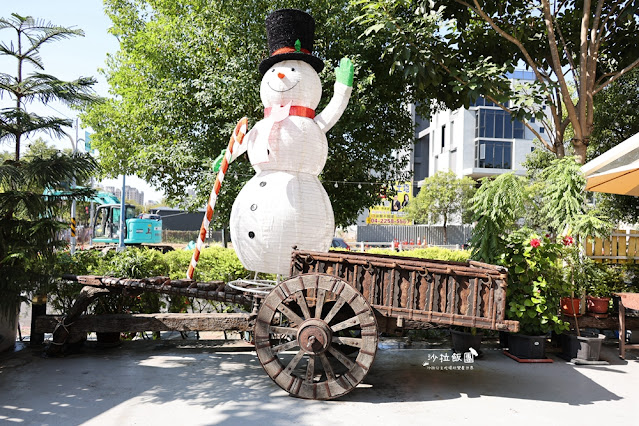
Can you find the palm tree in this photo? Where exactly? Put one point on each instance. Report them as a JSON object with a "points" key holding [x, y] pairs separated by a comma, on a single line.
{"points": [[23, 88], [30, 208]]}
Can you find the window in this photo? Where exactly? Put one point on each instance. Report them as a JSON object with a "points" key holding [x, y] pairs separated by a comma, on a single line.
{"points": [[443, 137], [542, 130], [518, 129], [493, 154], [497, 124], [478, 102], [421, 124]]}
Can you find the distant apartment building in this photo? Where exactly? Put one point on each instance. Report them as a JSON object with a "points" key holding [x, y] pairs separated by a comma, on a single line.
{"points": [[479, 141], [130, 193]]}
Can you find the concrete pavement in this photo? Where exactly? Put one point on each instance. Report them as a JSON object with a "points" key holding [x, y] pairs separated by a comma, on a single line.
{"points": [[195, 383]]}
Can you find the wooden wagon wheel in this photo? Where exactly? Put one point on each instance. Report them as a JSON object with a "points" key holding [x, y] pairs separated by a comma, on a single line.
{"points": [[316, 336]]}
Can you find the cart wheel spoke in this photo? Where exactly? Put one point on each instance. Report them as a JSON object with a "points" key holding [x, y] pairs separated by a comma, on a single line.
{"points": [[288, 331], [351, 322], [296, 360], [310, 369], [334, 310], [341, 357], [285, 346], [350, 341], [330, 375], [321, 297], [290, 317], [301, 301]]}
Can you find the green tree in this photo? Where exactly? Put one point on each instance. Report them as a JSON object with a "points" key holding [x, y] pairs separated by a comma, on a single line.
{"points": [[24, 88], [616, 119], [496, 206], [29, 224], [556, 196], [457, 50], [186, 73], [442, 197]]}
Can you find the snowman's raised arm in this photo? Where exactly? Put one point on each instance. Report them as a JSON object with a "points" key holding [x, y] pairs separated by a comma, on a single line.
{"points": [[343, 88]]}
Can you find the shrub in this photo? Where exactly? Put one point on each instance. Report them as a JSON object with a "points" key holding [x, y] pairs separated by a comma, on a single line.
{"points": [[133, 263], [435, 253], [535, 282], [82, 262], [216, 264]]}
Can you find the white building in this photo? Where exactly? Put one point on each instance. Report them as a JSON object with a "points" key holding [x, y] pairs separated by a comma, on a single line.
{"points": [[477, 142]]}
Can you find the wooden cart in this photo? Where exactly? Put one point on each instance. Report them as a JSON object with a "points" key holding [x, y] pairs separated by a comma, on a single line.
{"points": [[316, 333]]}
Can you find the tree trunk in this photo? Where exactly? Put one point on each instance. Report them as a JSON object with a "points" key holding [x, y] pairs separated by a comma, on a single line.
{"points": [[226, 236], [445, 231], [580, 146]]}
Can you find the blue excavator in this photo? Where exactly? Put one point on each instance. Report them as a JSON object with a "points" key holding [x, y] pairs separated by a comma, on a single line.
{"points": [[142, 229]]}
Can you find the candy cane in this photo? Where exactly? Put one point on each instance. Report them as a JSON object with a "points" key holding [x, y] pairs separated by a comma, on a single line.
{"points": [[235, 145]]}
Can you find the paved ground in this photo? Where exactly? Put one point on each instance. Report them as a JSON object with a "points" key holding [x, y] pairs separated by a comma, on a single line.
{"points": [[190, 382]]}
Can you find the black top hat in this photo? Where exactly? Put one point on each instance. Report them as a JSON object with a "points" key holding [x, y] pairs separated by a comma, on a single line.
{"points": [[290, 34]]}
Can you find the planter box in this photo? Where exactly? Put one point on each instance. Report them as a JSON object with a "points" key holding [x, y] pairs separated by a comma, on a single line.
{"points": [[8, 330], [582, 347], [463, 341], [527, 347]]}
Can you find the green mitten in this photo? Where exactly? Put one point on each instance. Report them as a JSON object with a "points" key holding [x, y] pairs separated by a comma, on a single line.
{"points": [[344, 73], [218, 161]]}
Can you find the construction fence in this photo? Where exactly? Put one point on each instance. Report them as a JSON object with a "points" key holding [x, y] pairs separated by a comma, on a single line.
{"points": [[432, 235]]}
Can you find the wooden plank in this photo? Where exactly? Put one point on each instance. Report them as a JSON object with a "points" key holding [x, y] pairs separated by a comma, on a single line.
{"points": [[598, 248], [632, 244], [614, 244], [606, 248], [448, 319], [589, 246], [149, 322]]}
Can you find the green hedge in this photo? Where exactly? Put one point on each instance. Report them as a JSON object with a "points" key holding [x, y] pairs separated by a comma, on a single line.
{"points": [[216, 263]]}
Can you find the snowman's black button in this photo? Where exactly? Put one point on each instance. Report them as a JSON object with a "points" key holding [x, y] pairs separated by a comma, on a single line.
{"points": [[251, 234], [253, 207], [262, 184]]}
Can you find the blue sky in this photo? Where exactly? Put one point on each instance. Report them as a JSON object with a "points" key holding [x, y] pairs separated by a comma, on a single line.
{"points": [[71, 58]]}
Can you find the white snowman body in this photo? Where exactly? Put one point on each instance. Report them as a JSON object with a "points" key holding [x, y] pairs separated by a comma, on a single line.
{"points": [[285, 204]]}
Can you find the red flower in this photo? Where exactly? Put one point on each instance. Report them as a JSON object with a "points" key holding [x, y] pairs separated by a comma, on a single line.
{"points": [[568, 240], [535, 242]]}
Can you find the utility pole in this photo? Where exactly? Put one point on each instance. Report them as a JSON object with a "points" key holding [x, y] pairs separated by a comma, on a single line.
{"points": [[72, 186], [122, 214]]}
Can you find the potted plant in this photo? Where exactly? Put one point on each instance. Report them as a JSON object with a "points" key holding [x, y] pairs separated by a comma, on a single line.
{"points": [[575, 274], [605, 280], [535, 286], [464, 338]]}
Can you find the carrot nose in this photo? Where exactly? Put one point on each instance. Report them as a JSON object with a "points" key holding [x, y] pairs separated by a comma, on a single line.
{"points": [[280, 75]]}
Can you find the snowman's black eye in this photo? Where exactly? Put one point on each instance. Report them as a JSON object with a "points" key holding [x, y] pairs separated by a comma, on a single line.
{"points": [[273, 70], [292, 69]]}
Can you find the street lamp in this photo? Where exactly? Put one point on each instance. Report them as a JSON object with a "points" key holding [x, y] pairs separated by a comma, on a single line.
{"points": [[74, 144]]}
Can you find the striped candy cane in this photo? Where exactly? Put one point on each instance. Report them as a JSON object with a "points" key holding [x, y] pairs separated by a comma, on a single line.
{"points": [[235, 147]]}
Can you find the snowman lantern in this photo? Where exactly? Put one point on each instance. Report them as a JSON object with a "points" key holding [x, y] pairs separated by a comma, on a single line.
{"points": [[284, 204]]}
